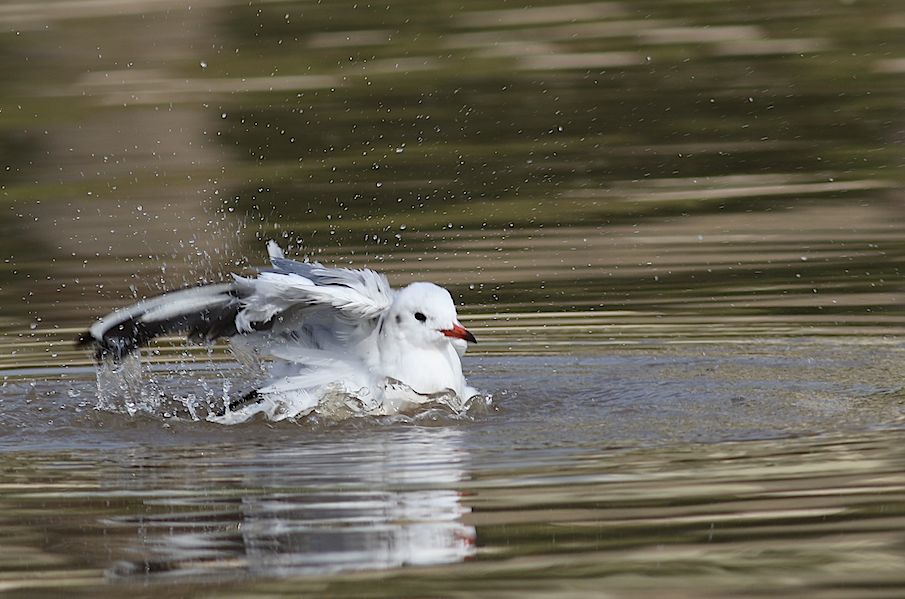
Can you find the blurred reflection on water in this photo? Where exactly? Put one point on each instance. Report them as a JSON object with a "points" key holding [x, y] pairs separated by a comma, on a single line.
{"points": [[375, 503], [805, 516], [676, 227]]}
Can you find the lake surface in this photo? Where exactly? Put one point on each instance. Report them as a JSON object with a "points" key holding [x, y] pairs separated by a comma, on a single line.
{"points": [[676, 228]]}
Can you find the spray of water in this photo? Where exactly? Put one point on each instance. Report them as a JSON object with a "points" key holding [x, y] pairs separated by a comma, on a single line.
{"points": [[199, 389]]}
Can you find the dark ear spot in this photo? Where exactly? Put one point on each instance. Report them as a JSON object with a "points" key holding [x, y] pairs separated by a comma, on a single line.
{"points": [[420, 317]]}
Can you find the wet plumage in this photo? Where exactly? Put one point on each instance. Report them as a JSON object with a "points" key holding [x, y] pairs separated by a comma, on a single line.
{"points": [[325, 331]]}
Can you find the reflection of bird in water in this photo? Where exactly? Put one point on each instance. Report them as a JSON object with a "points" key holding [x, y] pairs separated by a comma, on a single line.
{"points": [[394, 501], [370, 502], [332, 333], [388, 530]]}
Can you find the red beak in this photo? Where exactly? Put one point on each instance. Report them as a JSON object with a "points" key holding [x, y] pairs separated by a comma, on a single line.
{"points": [[459, 332]]}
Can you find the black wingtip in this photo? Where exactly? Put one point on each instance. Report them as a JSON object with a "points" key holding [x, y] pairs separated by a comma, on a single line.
{"points": [[114, 348], [84, 340]]}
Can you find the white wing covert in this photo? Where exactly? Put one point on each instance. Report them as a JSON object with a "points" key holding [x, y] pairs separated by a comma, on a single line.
{"points": [[356, 295]]}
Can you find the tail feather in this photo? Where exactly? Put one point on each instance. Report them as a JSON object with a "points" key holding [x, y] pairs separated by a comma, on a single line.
{"points": [[202, 313]]}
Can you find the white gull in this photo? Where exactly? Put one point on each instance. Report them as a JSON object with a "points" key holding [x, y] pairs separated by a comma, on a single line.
{"points": [[327, 333]]}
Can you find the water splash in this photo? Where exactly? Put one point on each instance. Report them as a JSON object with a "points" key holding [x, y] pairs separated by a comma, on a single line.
{"points": [[122, 388], [208, 391], [337, 402]]}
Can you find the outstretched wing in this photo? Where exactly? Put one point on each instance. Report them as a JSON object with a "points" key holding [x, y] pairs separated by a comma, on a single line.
{"points": [[306, 301], [291, 287]]}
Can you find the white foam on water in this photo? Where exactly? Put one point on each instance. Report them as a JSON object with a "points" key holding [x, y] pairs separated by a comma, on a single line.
{"points": [[190, 393]]}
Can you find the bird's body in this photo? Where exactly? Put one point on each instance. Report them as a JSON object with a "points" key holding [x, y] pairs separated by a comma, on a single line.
{"points": [[326, 332]]}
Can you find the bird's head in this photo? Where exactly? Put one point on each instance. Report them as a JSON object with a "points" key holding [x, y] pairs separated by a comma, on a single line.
{"points": [[425, 315]]}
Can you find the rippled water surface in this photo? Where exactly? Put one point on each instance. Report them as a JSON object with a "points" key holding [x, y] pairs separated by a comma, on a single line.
{"points": [[676, 229]]}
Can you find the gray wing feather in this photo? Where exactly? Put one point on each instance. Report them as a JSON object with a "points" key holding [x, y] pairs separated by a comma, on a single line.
{"points": [[359, 295], [347, 302]]}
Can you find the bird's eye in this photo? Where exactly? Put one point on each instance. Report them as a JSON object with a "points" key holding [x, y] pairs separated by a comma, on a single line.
{"points": [[420, 317]]}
